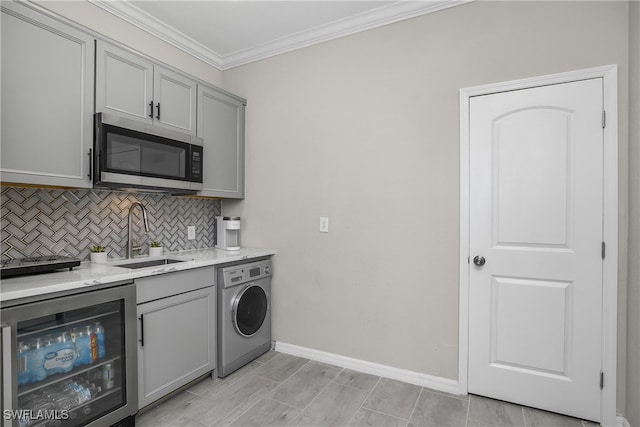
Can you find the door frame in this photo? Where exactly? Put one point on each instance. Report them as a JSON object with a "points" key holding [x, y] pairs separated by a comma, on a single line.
{"points": [[609, 74]]}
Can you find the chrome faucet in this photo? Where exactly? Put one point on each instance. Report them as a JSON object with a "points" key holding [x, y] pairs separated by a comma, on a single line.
{"points": [[130, 247]]}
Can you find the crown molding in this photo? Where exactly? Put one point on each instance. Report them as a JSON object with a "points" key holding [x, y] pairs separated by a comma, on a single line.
{"points": [[377, 17]]}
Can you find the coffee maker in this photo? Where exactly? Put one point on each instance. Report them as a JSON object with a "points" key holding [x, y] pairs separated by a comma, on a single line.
{"points": [[228, 232]]}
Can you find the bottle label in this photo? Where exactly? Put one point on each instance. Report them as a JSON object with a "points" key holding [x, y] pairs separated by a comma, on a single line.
{"points": [[107, 376], [101, 345], [59, 361], [94, 348]]}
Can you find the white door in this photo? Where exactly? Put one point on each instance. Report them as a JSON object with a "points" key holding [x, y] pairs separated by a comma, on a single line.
{"points": [[535, 305]]}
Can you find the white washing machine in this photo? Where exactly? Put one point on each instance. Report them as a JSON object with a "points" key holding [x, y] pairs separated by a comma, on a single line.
{"points": [[244, 314]]}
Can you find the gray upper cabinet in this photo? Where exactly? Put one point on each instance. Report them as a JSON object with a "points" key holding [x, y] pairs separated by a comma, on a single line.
{"points": [[131, 86], [47, 100], [124, 83], [175, 100], [221, 126]]}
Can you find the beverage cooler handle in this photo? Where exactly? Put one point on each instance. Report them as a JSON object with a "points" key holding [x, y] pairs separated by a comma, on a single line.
{"points": [[90, 154], [7, 375]]}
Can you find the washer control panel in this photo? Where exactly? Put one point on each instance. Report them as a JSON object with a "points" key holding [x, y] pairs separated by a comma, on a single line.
{"points": [[234, 275]]}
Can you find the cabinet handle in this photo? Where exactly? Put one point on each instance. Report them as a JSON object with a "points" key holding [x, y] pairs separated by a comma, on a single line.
{"points": [[90, 154], [158, 106], [151, 109], [141, 330]]}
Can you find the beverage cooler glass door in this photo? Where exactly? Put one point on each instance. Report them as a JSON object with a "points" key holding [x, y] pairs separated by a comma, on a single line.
{"points": [[70, 361]]}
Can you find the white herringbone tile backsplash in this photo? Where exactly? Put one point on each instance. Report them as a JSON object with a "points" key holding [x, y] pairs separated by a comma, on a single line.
{"points": [[69, 222]]}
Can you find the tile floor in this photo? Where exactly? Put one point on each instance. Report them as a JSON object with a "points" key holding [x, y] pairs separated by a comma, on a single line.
{"points": [[278, 389]]}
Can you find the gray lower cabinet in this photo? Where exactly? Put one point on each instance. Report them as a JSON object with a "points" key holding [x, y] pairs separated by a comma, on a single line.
{"points": [[47, 99], [128, 85], [221, 126], [176, 331]]}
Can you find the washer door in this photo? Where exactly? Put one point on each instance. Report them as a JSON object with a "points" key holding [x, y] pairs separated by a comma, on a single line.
{"points": [[249, 310]]}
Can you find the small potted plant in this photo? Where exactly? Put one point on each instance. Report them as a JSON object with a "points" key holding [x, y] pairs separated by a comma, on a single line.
{"points": [[98, 254], [155, 249]]}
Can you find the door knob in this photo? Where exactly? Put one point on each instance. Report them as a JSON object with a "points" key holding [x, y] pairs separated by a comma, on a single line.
{"points": [[479, 260]]}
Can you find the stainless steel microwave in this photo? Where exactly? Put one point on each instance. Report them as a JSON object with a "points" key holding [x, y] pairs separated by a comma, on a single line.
{"points": [[133, 155]]}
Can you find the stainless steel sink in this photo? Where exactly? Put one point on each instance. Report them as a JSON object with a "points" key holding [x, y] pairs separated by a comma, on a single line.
{"points": [[150, 263]]}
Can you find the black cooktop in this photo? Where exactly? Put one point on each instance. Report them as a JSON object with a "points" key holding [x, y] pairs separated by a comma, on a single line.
{"points": [[36, 265]]}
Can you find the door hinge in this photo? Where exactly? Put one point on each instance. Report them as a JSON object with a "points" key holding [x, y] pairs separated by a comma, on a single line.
{"points": [[603, 250], [604, 119], [601, 380]]}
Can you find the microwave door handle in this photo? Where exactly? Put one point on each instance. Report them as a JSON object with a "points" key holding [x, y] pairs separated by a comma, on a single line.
{"points": [[7, 374]]}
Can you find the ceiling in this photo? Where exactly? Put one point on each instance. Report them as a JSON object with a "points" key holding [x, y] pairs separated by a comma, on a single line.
{"points": [[227, 34]]}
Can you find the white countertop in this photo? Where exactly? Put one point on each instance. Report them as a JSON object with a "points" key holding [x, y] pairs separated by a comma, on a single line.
{"points": [[89, 274]]}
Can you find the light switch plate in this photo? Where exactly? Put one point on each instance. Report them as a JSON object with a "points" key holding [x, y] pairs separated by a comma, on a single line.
{"points": [[191, 232], [324, 224]]}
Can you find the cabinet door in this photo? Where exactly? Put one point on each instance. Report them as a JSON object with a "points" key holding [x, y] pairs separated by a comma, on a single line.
{"points": [[47, 100], [174, 96], [221, 126], [176, 342], [124, 83]]}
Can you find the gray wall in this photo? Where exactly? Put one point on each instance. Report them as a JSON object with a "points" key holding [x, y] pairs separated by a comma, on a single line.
{"points": [[364, 130], [69, 222], [633, 322]]}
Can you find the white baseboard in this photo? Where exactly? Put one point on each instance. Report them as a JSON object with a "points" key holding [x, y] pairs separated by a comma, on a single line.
{"points": [[445, 385], [429, 381], [622, 422]]}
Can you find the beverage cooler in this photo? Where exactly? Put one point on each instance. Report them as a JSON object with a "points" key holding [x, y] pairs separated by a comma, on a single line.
{"points": [[70, 360]]}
